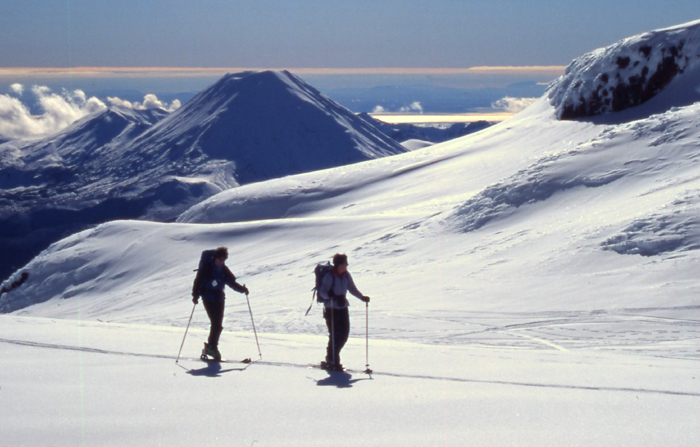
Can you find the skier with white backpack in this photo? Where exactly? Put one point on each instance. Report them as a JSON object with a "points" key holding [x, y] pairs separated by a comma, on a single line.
{"points": [[336, 282]]}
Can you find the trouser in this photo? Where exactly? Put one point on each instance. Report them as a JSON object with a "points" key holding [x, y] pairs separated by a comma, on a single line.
{"points": [[338, 322], [215, 311]]}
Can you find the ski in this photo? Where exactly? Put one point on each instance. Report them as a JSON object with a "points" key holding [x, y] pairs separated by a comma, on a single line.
{"points": [[326, 367], [344, 370], [210, 360]]}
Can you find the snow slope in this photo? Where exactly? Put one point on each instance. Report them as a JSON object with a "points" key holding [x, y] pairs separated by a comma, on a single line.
{"points": [[559, 200], [532, 284], [90, 383]]}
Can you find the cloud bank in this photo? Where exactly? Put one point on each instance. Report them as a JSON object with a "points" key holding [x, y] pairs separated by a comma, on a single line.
{"points": [[150, 101], [58, 110], [414, 107]]}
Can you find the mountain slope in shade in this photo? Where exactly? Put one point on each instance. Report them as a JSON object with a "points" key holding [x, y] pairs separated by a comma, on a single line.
{"points": [[269, 124]]}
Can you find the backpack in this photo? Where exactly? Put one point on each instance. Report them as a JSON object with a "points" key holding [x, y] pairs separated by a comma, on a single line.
{"points": [[206, 277], [206, 257], [320, 272]]}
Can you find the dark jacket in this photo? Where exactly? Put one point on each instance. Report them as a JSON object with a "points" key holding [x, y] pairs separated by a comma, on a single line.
{"points": [[210, 281]]}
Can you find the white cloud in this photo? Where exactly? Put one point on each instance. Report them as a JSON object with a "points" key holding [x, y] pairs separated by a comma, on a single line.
{"points": [[415, 107], [17, 89], [118, 102], [59, 111], [150, 101], [174, 105], [513, 105]]}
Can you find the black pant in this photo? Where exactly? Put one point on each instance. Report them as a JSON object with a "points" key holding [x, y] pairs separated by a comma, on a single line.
{"points": [[215, 310], [338, 322]]}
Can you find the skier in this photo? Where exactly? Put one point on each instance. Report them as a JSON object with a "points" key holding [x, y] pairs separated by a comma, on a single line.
{"points": [[209, 283], [334, 288]]}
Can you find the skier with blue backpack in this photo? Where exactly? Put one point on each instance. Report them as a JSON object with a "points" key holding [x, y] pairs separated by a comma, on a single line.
{"points": [[336, 282], [212, 277]]}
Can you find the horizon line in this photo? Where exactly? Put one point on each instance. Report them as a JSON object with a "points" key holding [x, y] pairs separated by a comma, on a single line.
{"points": [[549, 70]]}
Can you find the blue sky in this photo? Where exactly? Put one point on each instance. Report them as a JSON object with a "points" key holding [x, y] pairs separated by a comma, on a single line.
{"points": [[177, 47], [321, 33], [125, 49]]}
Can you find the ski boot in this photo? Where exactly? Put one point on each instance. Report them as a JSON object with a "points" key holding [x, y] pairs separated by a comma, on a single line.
{"points": [[330, 366], [210, 351]]}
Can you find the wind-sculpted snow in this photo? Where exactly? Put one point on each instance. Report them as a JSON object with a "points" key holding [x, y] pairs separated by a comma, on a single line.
{"points": [[674, 228], [535, 184], [628, 73], [641, 149]]}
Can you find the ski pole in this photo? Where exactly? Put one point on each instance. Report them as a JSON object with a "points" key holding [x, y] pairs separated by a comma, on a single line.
{"points": [[253, 321], [183, 338], [367, 371]]}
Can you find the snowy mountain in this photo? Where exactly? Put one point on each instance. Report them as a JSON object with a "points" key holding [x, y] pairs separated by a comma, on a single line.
{"points": [[539, 271], [127, 164], [270, 124], [57, 161]]}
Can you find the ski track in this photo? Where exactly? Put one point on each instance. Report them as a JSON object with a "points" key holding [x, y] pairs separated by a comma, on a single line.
{"points": [[629, 329], [203, 371]]}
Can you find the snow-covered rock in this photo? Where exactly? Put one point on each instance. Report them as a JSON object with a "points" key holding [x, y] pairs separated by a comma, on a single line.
{"points": [[629, 73]]}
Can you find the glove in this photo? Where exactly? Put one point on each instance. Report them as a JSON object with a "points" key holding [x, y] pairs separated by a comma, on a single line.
{"points": [[245, 290], [365, 299], [195, 298]]}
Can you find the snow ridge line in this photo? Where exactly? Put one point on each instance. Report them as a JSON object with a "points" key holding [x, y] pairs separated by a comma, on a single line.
{"points": [[374, 373]]}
